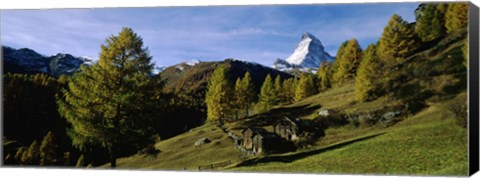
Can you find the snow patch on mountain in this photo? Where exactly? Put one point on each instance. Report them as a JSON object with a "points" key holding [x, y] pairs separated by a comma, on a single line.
{"points": [[89, 60], [157, 69], [193, 62], [179, 67]]}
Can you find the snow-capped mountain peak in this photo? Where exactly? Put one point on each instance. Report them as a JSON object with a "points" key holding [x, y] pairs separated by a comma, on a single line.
{"points": [[309, 53], [309, 36]]}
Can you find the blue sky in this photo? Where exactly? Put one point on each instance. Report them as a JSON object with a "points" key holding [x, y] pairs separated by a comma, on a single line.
{"points": [[176, 34]]}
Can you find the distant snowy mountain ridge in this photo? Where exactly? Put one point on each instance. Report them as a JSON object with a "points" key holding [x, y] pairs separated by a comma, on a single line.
{"points": [[308, 54], [25, 60]]}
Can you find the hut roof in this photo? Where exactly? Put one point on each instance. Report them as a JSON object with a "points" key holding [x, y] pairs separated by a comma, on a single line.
{"points": [[301, 123], [267, 135]]}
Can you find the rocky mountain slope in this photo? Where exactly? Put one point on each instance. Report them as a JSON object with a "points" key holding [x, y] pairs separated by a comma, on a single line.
{"points": [[25, 60]]}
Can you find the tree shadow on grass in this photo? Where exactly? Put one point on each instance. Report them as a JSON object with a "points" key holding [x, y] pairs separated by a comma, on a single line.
{"points": [[270, 117], [297, 156]]}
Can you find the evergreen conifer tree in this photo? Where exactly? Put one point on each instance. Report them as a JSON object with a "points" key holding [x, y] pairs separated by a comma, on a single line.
{"points": [[80, 161], [250, 93], [116, 101], [267, 97], [48, 150], [278, 90], [456, 17], [430, 24], [19, 154], [219, 95], [32, 156], [398, 40], [323, 75], [339, 55], [367, 75], [239, 99], [305, 88], [348, 62], [288, 90]]}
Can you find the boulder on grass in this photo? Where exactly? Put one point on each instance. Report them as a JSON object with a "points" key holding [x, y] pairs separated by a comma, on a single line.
{"points": [[202, 141]]}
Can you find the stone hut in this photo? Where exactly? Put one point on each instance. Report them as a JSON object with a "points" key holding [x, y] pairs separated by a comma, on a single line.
{"points": [[259, 141], [248, 135], [266, 142], [292, 129]]}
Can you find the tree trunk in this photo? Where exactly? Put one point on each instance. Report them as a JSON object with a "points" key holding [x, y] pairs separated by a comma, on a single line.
{"points": [[113, 158]]}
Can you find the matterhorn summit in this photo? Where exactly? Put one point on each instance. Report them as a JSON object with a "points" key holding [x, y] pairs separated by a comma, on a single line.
{"points": [[308, 54]]}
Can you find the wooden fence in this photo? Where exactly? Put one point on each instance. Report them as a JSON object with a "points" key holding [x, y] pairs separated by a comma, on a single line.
{"points": [[214, 165]]}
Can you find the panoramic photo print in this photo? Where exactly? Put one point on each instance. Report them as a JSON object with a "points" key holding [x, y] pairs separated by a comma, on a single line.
{"points": [[371, 88]]}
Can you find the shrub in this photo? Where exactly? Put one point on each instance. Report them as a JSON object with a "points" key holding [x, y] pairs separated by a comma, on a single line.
{"points": [[334, 119], [368, 119], [415, 106], [459, 113], [354, 120]]}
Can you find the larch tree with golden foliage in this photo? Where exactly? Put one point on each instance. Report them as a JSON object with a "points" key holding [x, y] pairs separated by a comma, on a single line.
{"points": [[339, 55], [288, 90], [244, 93], [430, 23], [278, 90], [306, 87], [114, 102], [398, 41], [348, 62], [219, 95], [48, 150], [456, 17], [324, 75], [250, 94], [367, 75], [267, 97]]}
